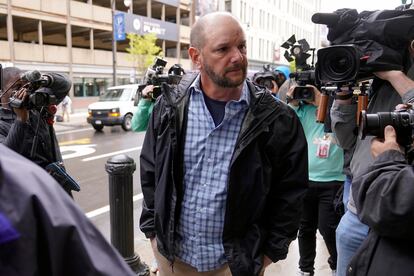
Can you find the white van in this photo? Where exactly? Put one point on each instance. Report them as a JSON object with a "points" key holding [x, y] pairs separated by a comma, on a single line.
{"points": [[115, 107]]}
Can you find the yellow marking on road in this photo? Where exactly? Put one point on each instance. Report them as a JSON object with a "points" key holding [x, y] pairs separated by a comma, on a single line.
{"points": [[82, 141]]}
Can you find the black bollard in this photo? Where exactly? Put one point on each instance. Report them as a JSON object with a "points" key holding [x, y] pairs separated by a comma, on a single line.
{"points": [[120, 169]]}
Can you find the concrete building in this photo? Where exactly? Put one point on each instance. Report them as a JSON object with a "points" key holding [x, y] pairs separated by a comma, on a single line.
{"points": [[75, 37]]}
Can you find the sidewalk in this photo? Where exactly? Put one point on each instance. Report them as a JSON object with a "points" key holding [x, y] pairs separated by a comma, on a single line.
{"points": [[77, 120], [287, 267]]}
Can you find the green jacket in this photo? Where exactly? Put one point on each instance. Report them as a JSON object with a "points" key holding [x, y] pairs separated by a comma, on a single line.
{"points": [[142, 115]]}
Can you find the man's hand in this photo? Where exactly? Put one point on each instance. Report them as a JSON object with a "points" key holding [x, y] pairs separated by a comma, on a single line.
{"points": [[22, 114], [289, 95], [317, 96], [147, 90], [401, 83], [389, 143]]}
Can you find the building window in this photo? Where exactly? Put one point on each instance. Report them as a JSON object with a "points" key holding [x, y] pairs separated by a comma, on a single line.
{"points": [[89, 87]]}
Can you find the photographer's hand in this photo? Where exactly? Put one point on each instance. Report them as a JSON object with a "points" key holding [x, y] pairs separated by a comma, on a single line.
{"points": [[147, 90], [317, 96], [379, 146], [401, 83], [289, 96], [22, 114]]}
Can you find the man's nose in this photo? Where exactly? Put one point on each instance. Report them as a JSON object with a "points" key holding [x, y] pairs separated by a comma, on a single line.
{"points": [[236, 55]]}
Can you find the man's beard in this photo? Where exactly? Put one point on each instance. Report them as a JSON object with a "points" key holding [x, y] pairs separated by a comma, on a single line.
{"points": [[222, 81]]}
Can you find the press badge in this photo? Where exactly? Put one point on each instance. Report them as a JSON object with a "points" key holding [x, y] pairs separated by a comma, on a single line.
{"points": [[323, 147]]}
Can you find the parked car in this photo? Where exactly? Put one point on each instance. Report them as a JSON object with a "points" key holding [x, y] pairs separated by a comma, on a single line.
{"points": [[115, 107]]}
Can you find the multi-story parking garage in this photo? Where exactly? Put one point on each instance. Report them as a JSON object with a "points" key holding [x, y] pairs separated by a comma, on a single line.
{"points": [[75, 37]]}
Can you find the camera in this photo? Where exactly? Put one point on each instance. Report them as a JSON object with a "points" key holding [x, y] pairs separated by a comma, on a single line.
{"points": [[36, 99], [402, 121], [155, 76], [267, 75], [363, 43], [303, 92], [342, 64], [305, 74]]}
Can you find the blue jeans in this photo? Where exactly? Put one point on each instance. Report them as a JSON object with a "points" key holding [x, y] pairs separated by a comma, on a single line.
{"points": [[350, 233]]}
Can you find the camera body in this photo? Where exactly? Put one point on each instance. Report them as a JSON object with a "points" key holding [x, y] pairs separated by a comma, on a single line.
{"points": [[155, 76], [303, 92], [36, 99], [402, 121]]}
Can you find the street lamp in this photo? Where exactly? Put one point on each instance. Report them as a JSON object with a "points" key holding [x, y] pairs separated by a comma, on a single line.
{"points": [[113, 2]]}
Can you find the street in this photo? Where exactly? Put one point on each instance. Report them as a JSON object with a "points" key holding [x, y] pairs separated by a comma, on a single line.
{"points": [[85, 153]]}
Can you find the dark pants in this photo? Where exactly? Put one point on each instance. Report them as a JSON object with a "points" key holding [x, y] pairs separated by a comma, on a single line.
{"points": [[318, 213]]}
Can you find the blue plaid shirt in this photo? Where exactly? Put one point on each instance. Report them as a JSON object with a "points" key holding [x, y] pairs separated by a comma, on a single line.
{"points": [[207, 154]]}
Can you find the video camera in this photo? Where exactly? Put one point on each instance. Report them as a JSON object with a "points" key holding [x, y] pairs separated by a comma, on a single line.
{"points": [[362, 44], [36, 99], [402, 121], [305, 73], [155, 76], [266, 75]]}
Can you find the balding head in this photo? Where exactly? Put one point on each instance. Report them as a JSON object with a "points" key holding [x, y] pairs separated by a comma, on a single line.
{"points": [[201, 28]]}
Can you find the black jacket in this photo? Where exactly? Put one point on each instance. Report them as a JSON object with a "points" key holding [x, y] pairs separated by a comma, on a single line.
{"points": [[267, 179], [54, 237], [385, 202]]}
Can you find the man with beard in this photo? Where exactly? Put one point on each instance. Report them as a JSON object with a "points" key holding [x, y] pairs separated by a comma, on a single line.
{"points": [[223, 165]]}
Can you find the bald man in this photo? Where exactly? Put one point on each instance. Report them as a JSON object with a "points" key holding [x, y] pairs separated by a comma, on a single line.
{"points": [[223, 165]]}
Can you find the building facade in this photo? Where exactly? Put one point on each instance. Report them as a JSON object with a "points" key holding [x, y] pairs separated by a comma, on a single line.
{"points": [[75, 37]]}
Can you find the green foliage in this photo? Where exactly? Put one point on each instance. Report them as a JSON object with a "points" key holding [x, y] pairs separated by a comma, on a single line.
{"points": [[142, 51]]}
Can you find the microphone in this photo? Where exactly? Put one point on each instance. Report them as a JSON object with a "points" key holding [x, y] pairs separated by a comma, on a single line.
{"points": [[329, 19], [31, 76], [35, 76]]}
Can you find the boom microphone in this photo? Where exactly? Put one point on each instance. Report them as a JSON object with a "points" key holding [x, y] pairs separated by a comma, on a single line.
{"points": [[35, 76], [329, 19], [31, 76]]}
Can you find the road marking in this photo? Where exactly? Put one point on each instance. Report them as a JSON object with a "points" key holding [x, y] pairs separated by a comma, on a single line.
{"points": [[110, 154], [74, 130], [74, 151], [82, 141], [105, 209]]}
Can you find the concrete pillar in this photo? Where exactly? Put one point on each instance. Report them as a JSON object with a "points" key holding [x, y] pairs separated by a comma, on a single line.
{"points": [[69, 44], [149, 8], [10, 34]]}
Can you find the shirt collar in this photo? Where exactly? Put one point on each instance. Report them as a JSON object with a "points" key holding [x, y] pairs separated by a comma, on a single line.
{"points": [[244, 98]]}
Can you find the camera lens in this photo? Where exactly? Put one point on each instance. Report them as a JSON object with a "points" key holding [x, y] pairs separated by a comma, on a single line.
{"points": [[338, 63], [374, 125], [268, 83]]}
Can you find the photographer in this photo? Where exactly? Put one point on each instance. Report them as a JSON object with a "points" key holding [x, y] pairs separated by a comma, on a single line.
{"points": [[325, 178], [152, 90], [388, 89], [26, 129], [271, 79], [387, 188]]}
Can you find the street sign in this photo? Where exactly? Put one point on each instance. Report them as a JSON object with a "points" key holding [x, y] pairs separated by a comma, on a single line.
{"points": [[119, 26]]}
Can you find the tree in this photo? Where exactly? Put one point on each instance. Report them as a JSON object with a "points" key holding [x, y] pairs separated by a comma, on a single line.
{"points": [[142, 51]]}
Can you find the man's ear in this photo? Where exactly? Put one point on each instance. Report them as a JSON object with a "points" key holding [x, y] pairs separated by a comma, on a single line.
{"points": [[195, 56]]}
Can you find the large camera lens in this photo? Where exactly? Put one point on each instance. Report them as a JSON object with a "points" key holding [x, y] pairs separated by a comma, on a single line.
{"points": [[338, 63], [374, 125]]}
